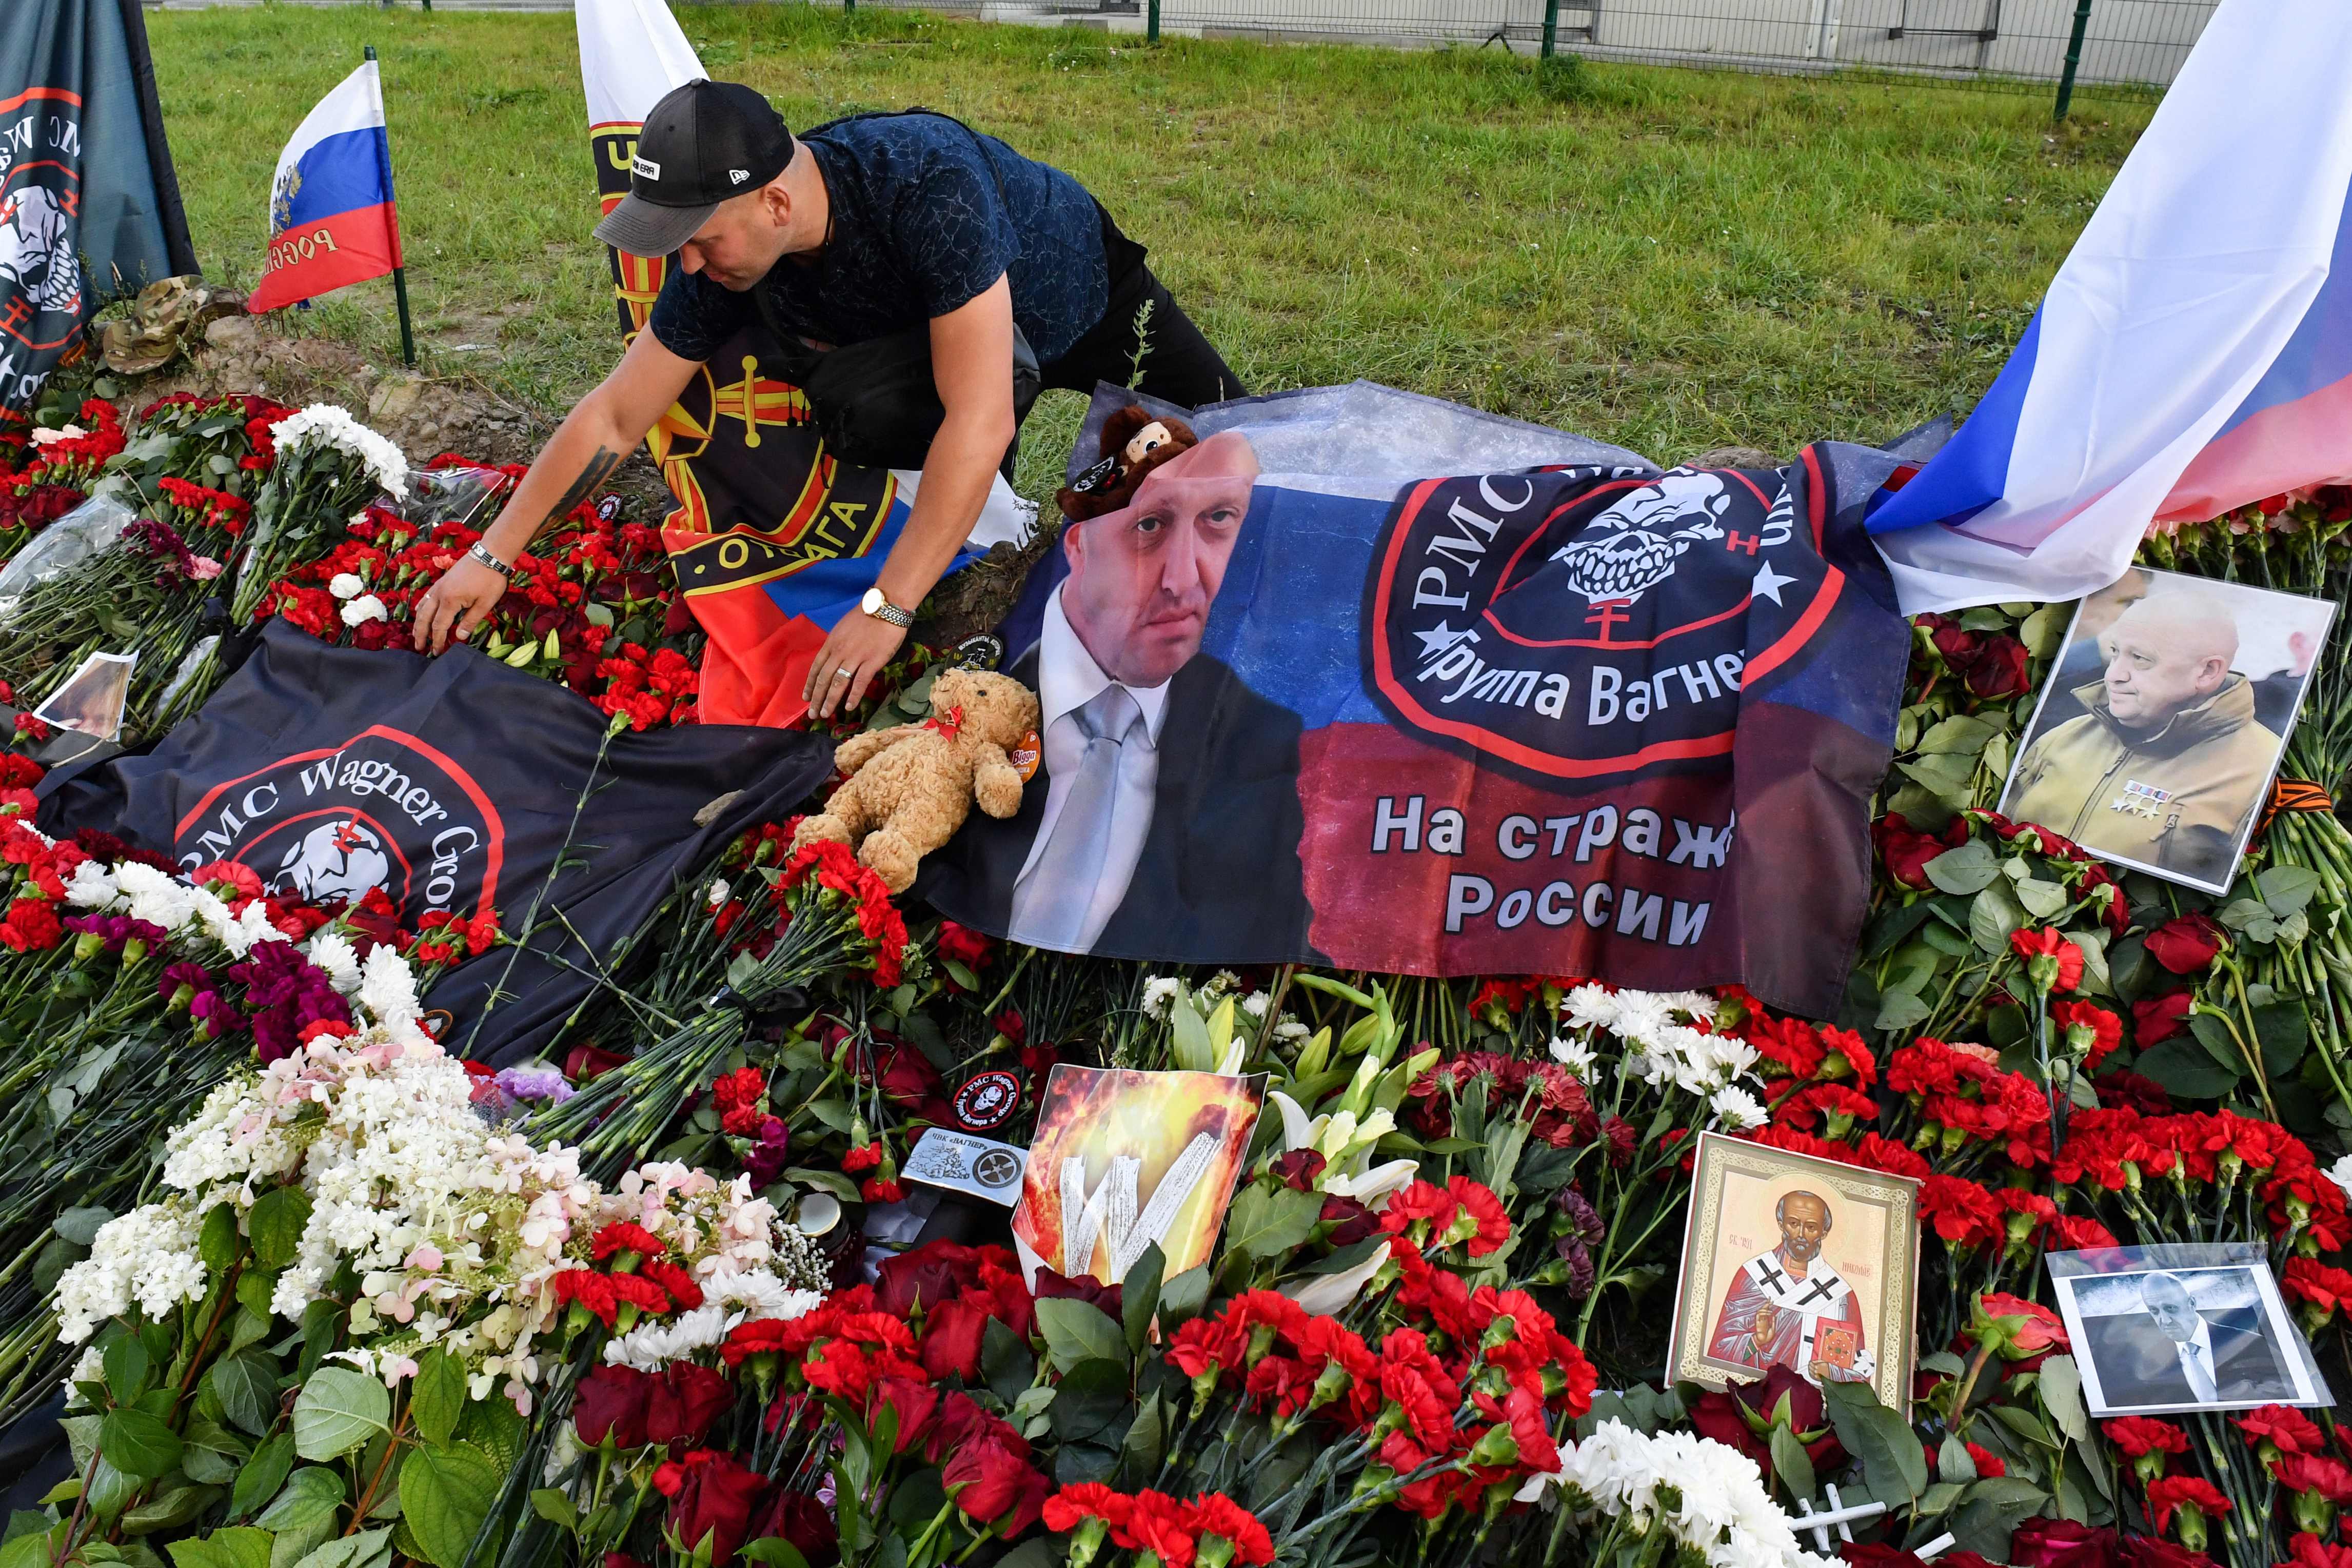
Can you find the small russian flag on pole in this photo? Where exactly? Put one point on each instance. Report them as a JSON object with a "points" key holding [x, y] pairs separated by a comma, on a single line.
{"points": [[332, 222]]}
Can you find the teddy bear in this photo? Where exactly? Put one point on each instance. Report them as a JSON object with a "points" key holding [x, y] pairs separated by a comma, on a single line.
{"points": [[1134, 442], [907, 789]]}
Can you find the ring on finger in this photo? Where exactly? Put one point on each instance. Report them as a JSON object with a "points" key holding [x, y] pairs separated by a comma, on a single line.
{"points": [[842, 674]]}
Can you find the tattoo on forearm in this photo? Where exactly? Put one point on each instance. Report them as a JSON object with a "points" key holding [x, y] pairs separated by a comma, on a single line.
{"points": [[599, 468]]}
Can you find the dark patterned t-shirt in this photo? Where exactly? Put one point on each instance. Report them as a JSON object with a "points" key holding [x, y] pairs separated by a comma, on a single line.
{"points": [[926, 215]]}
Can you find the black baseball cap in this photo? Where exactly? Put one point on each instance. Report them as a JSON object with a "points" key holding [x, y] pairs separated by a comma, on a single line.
{"points": [[702, 143]]}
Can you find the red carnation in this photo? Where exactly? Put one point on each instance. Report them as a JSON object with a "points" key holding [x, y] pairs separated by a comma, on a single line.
{"points": [[2140, 1436], [1493, 1225], [2054, 963], [2172, 1493], [2313, 1473], [623, 1236], [1216, 1517], [2287, 1429]]}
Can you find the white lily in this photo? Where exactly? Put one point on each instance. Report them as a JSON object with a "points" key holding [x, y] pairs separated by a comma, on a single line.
{"points": [[1370, 1187], [1325, 1294]]}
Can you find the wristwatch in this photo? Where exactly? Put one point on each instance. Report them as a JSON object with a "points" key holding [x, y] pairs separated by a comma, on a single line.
{"points": [[477, 552], [877, 604]]}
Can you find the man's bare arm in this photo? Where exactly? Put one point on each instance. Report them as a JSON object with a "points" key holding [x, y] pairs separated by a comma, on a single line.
{"points": [[594, 440]]}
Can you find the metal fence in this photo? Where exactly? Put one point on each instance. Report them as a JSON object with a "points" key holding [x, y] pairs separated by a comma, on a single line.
{"points": [[2118, 45]]}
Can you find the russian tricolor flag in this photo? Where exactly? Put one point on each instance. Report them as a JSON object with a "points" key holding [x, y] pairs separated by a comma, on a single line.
{"points": [[332, 220], [2194, 353]]}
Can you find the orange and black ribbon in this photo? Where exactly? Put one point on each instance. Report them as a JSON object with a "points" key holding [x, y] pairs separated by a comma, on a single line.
{"points": [[2294, 795]]}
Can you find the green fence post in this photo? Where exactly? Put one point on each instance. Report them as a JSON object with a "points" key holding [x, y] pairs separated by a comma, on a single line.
{"points": [[1151, 22], [1551, 27], [2073, 58]]}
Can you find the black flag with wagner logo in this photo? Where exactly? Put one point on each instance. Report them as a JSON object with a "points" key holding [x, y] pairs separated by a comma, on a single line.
{"points": [[453, 784], [89, 207]]}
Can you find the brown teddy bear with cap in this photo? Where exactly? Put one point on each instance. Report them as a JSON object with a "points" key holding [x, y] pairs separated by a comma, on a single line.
{"points": [[1134, 442], [908, 789]]}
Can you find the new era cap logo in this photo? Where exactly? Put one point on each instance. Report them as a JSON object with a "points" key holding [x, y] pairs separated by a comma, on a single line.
{"points": [[737, 176], [646, 166]]}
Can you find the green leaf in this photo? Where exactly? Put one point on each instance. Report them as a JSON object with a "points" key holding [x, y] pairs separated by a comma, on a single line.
{"points": [[1990, 1509], [81, 1226], [1189, 1048], [2043, 900], [1005, 1362], [214, 1452], [774, 1551], [1953, 1461], [1146, 1442], [127, 1369], [1182, 1298], [1994, 914], [1969, 869], [2180, 1066], [235, 1547], [218, 1243], [1900, 1011], [312, 1496], [1793, 1465], [1079, 1331], [1140, 1296], [169, 1509], [138, 1444], [444, 1495], [436, 1395], [1269, 1224], [2282, 1031], [1091, 1403], [275, 1225], [246, 1385], [2214, 1036], [339, 1410], [2062, 1395], [262, 1475], [1880, 1437], [1940, 1496], [2287, 888], [1961, 734]]}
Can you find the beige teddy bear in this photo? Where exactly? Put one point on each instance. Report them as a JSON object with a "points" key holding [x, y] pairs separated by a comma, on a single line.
{"points": [[908, 789]]}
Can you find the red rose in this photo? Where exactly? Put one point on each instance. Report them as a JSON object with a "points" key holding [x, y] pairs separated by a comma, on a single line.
{"points": [[2025, 1328], [800, 1520], [1085, 1288], [2150, 1551], [683, 1402], [2040, 1542], [952, 1335], [989, 1477], [915, 1407], [1906, 853], [1998, 668], [1878, 1555], [1297, 1170], [715, 1501], [612, 1403], [2186, 943], [934, 1273]]}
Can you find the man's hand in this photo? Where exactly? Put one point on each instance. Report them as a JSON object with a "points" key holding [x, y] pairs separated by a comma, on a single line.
{"points": [[454, 606], [859, 645], [1760, 1333]]}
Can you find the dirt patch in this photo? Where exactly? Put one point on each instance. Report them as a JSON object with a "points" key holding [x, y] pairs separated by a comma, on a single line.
{"points": [[423, 415]]}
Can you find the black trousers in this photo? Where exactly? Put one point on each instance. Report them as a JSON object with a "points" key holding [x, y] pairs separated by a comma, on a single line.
{"points": [[1178, 364]]}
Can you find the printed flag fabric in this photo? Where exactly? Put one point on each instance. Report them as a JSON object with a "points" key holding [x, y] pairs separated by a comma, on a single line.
{"points": [[2194, 353], [331, 218], [1399, 686], [452, 784], [772, 539], [88, 205]]}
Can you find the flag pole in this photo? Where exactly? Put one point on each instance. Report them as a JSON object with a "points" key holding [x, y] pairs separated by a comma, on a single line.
{"points": [[399, 274]]}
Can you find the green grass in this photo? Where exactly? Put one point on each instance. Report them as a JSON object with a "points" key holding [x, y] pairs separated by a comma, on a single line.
{"points": [[1671, 259]]}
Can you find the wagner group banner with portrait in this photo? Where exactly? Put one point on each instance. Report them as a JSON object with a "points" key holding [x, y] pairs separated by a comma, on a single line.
{"points": [[1366, 679], [450, 784], [88, 206]]}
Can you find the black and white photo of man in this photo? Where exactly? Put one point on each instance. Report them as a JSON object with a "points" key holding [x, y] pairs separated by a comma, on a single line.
{"points": [[2184, 1339]]}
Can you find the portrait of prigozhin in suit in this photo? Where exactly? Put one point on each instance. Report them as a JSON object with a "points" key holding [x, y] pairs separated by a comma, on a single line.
{"points": [[2151, 1339]]}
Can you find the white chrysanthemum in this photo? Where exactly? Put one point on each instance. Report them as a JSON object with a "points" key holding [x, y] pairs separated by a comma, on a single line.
{"points": [[1590, 1007], [367, 607], [1735, 1109], [2340, 1173], [154, 895], [1159, 995], [347, 585], [92, 886], [333, 954], [388, 990], [1574, 1055], [324, 423], [1256, 1004]]}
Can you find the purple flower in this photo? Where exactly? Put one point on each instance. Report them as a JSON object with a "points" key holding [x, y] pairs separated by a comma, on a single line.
{"points": [[216, 1014], [182, 983], [536, 1083], [766, 1161], [1582, 1214], [287, 993], [116, 933], [1580, 1266]]}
